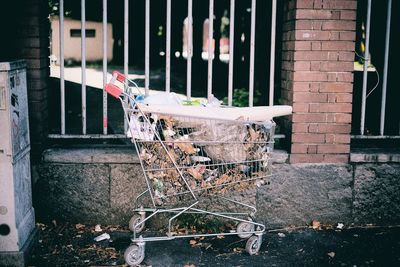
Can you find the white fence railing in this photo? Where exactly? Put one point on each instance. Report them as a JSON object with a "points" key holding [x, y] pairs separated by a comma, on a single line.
{"points": [[148, 5], [380, 133]]}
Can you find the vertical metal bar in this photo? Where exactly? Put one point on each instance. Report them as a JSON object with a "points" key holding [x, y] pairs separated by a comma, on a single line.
{"points": [[210, 48], [365, 74], [83, 55], [231, 42], [272, 55], [385, 67], [62, 80], [126, 48], [147, 48], [189, 51], [105, 115], [252, 46], [126, 36], [168, 50]]}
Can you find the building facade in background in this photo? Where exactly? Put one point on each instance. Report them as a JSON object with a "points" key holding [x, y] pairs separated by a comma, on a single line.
{"points": [[72, 40]]}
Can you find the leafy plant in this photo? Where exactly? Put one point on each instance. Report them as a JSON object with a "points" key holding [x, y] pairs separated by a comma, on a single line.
{"points": [[241, 97], [54, 5], [201, 223], [224, 29]]}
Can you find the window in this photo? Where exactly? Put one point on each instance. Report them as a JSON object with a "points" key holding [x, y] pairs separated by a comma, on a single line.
{"points": [[90, 33]]}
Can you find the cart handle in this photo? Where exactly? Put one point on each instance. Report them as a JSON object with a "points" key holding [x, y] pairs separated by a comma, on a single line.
{"points": [[118, 76], [113, 90]]}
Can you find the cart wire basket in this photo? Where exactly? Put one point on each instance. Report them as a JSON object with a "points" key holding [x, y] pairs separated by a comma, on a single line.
{"points": [[191, 156]]}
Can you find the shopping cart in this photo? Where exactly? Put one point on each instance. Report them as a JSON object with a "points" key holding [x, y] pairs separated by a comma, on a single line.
{"points": [[191, 156]]}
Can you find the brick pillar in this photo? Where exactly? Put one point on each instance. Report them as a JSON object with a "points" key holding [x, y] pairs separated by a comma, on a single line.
{"points": [[318, 55], [33, 46]]}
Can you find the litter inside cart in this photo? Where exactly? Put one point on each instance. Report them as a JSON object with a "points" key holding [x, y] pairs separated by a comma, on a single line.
{"points": [[191, 155]]}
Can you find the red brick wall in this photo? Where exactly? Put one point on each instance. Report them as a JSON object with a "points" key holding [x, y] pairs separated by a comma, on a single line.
{"points": [[33, 46], [318, 54]]}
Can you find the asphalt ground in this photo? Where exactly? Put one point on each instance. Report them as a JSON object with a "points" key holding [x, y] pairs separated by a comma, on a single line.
{"points": [[73, 245]]}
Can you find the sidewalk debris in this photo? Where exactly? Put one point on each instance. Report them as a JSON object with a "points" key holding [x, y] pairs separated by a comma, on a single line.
{"points": [[281, 235], [79, 226], [102, 237], [340, 226], [97, 228], [305, 246], [316, 225]]}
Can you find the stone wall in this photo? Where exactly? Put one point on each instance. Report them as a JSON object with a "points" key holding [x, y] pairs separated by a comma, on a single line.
{"points": [[88, 185], [300, 193], [99, 185]]}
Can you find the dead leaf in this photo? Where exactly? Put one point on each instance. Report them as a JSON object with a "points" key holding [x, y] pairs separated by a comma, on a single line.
{"points": [[331, 254], [315, 224], [169, 122], [192, 242], [186, 147], [172, 174], [238, 250], [201, 168], [189, 265], [173, 154], [253, 134], [97, 228], [196, 174], [182, 230], [223, 179], [220, 236], [144, 155], [79, 226]]}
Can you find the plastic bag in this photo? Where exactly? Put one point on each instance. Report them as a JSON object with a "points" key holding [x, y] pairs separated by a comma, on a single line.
{"points": [[230, 146], [162, 98], [172, 99], [213, 102], [140, 129]]}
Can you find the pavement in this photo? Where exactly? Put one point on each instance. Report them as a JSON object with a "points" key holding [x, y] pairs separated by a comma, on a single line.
{"points": [[360, 246]]}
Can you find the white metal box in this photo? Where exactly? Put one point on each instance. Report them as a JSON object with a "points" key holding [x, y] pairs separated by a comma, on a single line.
{"points": [[17, 219]]}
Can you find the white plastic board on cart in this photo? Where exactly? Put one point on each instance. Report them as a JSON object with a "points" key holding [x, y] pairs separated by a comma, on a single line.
{"points": [[260, 113]]}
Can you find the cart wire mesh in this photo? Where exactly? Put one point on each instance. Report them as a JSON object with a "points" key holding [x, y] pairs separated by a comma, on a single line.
{"points": [[185, 155]]}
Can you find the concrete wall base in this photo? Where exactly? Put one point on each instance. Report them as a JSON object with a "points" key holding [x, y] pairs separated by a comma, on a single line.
{"points": [[19, 258], [300, 193], [100, 185]]}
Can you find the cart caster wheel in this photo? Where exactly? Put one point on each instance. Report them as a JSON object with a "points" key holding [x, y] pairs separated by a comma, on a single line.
{"points": [[134, 221], [244, 227], [134, 255], [253, 245]]}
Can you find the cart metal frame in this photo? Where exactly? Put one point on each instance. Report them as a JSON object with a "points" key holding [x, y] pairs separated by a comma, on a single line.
{"points": [[246, 228]]}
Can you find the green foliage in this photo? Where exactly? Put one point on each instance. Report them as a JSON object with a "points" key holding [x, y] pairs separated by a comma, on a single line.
{"points": [[224, 29], [201, 223], [53, 7], [241, 97]]}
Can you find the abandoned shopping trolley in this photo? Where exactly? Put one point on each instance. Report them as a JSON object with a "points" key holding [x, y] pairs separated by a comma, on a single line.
{"points": [[191, 156]]}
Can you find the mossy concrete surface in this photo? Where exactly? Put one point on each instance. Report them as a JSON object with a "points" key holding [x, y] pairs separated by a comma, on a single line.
{"points": [[100, 185]]}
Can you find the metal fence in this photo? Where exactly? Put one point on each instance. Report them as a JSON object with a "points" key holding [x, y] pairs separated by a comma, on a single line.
{"points": [[367, 129], [105, 133]]}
